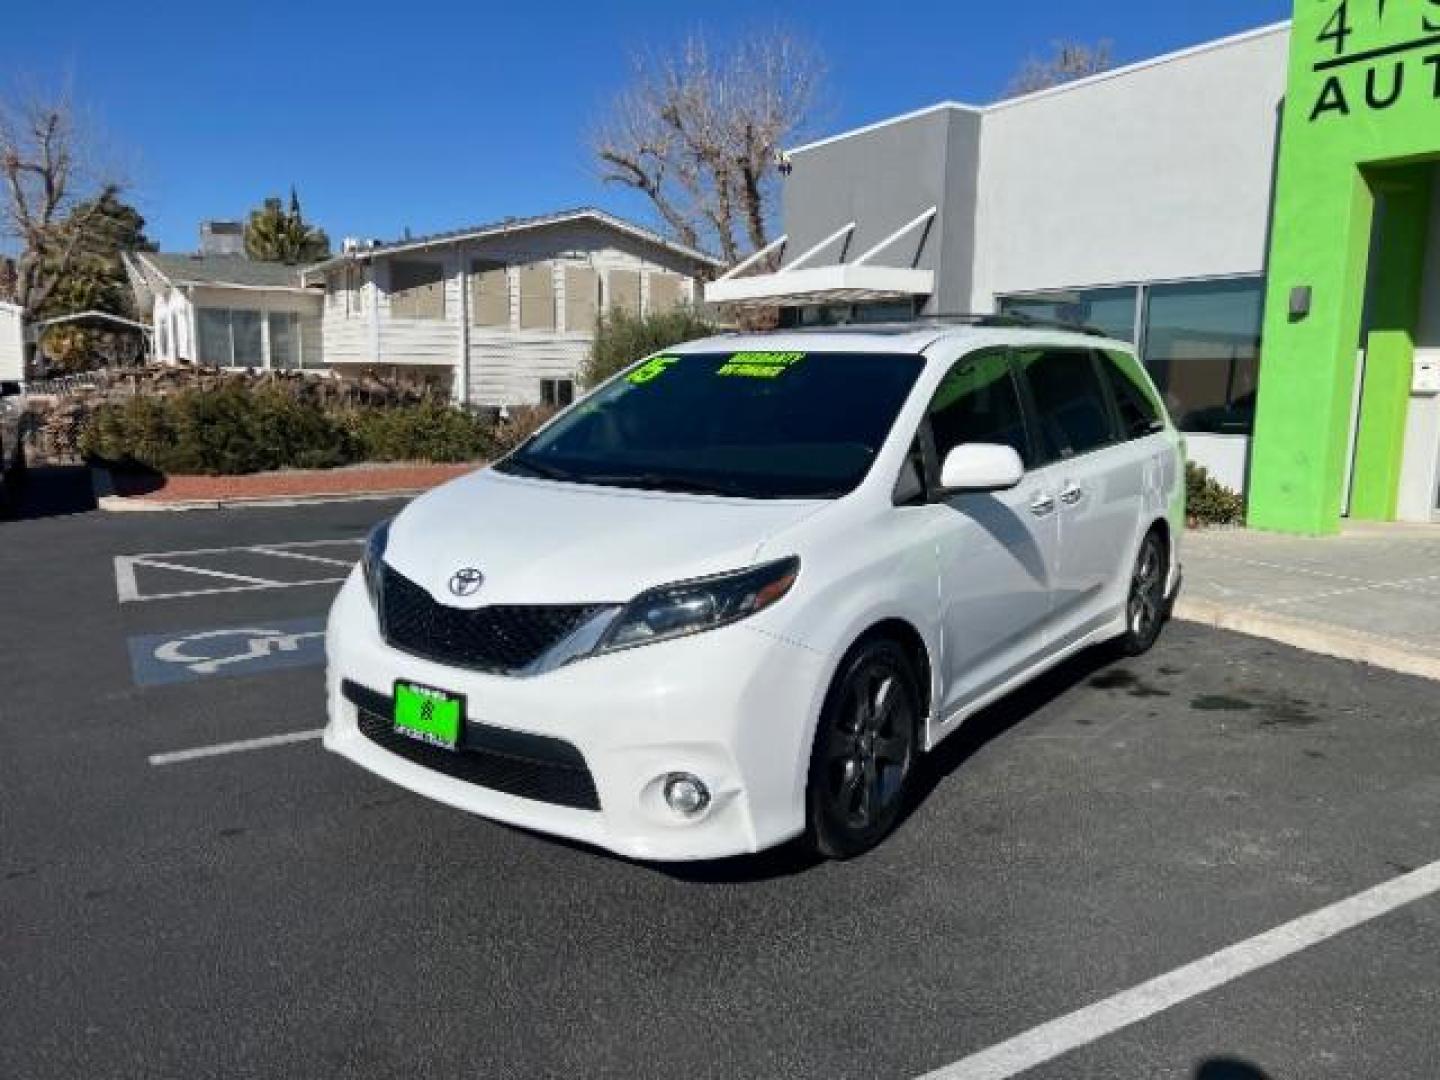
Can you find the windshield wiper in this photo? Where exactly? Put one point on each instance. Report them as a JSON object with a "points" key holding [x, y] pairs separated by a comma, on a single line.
{"points": [[533, 468]]}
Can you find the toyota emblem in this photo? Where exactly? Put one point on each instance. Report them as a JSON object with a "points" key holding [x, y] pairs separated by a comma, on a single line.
{"points": [[466, 581]]}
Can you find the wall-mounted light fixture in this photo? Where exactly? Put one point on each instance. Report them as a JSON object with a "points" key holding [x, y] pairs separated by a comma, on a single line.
{"points": [[1300, 297]]}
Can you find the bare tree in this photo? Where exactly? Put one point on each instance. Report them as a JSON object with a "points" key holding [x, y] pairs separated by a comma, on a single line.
{"points": [[47, 197], [698, 134], [1068, 61]]}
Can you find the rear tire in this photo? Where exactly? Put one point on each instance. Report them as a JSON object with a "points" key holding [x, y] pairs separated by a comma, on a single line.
{"points": [[1146, 607], [864, 753]]}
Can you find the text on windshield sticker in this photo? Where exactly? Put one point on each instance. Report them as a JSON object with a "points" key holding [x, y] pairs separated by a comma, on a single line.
{"points": [[651, 369], [760, 365]]}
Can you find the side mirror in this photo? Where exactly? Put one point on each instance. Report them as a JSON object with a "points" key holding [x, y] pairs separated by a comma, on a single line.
{"points": [[981, 467]]}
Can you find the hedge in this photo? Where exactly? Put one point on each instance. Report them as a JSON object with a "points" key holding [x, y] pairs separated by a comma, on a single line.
{"points": [[234, 429]]}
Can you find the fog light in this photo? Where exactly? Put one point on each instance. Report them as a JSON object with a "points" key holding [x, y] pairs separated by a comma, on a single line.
{"points": [[685, 794]]}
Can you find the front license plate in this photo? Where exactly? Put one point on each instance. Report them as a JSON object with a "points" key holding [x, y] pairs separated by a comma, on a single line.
{"points": [[429, 715]]}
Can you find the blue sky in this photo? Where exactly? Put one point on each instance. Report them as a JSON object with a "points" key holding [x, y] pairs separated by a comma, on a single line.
{"points": [[439, 114]]}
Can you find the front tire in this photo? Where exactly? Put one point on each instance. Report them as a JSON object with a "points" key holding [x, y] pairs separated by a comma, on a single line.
{"points": [[1145, 605], [864, 752]]}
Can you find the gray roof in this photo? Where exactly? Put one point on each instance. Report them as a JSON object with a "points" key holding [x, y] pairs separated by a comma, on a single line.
{"points": [[223, 270], [513, 224]]}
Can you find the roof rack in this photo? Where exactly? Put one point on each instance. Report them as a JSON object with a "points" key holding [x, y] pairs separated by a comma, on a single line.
{"points": [[1013, 321]]}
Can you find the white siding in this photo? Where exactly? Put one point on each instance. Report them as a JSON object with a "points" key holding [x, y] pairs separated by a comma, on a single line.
{"points": [[419, 341], [504, 363], [506, 369], [506, 366], [12, 343], [173, 308], [347, 337]]}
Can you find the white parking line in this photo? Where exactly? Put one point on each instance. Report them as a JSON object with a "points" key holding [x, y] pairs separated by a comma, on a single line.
{"points": [[1058, 1037], [174, 757], [223, 575], [128, 590], [283, 554]]}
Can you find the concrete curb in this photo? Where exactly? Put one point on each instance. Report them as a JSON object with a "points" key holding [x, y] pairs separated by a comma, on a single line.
{"points": [[105, 498], [1312, 637]]}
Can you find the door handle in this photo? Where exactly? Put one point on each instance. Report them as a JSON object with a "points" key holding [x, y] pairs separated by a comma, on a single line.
{"points": [[1072, 494], [1043, 506]]}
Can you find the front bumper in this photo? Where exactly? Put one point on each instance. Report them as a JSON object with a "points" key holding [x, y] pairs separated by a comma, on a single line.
{"points": [[734, 706]]}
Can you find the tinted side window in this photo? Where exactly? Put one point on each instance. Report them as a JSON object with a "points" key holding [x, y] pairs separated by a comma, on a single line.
{"points": [[978, 402], [1069, 400], [1139, 415]]}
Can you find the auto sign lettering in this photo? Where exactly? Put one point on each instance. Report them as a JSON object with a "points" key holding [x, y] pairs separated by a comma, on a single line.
{"points": [[1371, 54]]}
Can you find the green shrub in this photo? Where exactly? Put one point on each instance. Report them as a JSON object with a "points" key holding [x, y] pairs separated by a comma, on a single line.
{"points": [[234, 429], [1209, 502], [137, 428], [622, 338], [430, 431]]}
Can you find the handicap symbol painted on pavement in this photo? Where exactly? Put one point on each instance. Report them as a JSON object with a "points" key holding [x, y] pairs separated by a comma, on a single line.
{"points": [[183, 656]]}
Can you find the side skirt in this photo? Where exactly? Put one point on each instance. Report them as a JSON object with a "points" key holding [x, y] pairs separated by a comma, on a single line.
{"points": [[1105, 632]]}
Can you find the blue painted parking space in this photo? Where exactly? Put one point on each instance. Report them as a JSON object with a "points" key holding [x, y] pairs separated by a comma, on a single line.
{"points": [[211, 652]]}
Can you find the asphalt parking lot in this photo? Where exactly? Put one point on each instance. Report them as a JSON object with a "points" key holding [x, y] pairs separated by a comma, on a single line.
{"points": [[175, 904]]}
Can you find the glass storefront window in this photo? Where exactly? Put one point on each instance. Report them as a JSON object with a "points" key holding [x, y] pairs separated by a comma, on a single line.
{"points": [[1111, 310], [1202, 346]]}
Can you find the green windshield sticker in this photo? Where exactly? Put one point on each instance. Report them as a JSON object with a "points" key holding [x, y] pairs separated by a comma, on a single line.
{"points": [[760, 365], [651, 369]]}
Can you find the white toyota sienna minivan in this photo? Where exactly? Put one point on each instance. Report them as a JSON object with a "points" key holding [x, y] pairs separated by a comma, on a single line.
{"points": [[730, 597]]}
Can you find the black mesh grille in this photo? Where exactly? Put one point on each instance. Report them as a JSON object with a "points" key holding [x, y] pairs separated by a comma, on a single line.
{"points": [[495, 639], [527, 766]]}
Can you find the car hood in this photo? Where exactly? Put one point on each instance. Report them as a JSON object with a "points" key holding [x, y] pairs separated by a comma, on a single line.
{"points": [[544, 542]]}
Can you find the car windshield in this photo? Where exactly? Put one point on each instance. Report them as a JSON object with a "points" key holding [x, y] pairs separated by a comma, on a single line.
{"points": [[755, 425]]}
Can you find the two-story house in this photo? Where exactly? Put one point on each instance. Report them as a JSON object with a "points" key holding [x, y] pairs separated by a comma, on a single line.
{"points": [[503, 314]]}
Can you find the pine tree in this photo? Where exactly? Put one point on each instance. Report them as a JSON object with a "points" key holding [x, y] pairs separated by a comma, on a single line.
{"points": [[275, 234]]}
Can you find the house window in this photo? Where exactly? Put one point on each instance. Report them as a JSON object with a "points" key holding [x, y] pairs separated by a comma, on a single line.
{"points": [[582, 299], [623, 289], [230, 338], [537, 297], [489, 294], [417, 290], [664, 292], [284, 340], [214, 331], [557, 393]]}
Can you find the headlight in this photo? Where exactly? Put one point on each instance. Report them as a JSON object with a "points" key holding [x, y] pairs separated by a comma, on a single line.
{"points": [[372, 562], [690, 607]]}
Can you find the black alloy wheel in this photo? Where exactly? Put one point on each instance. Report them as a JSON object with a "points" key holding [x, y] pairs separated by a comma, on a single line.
{"points": [[865, 751], [1145, 608]]}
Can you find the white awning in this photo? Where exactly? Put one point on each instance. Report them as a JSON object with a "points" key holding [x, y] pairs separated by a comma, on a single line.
{"points": [[842, 284], [799, 284]]}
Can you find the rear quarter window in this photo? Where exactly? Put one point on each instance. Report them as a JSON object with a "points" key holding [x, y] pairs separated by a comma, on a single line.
{"points": [[1140, 414]]}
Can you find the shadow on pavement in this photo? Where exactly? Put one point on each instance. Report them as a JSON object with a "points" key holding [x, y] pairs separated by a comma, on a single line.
{"points": [[54, 491], [932, 770], [995, 720], [1228, 1068]]}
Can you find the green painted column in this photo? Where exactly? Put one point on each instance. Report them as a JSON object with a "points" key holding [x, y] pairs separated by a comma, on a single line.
{"points": [[1307, 368], [1363, 93], [1390, 346]]}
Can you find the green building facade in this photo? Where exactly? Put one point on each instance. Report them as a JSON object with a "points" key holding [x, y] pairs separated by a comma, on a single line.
{"points": [[1360, 133]]}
